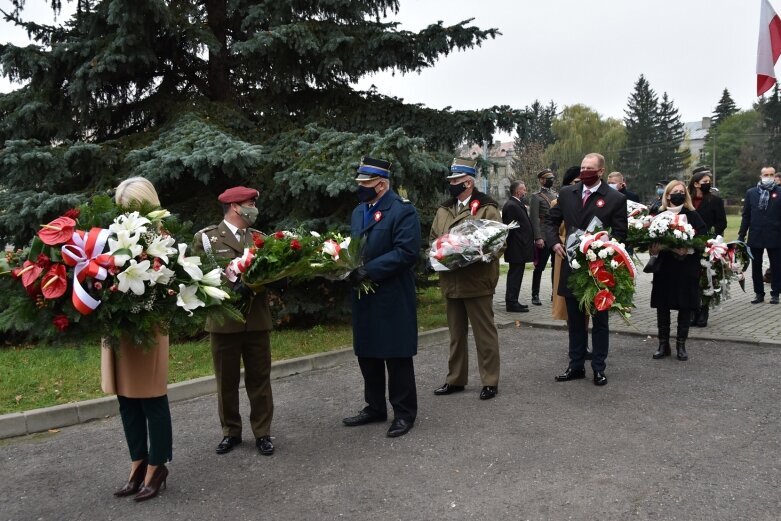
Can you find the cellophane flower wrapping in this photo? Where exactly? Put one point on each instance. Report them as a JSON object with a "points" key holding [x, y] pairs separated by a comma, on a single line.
{"points": [[282, 254], [108, 272], [476, 240]]}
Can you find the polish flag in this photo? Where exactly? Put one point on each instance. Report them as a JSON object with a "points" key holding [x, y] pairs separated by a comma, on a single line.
{"points": [[769, 47]]}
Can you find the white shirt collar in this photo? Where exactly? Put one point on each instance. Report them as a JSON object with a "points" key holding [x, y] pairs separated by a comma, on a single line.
{"points": [[592, 188], [465, 202], [234, 229]]}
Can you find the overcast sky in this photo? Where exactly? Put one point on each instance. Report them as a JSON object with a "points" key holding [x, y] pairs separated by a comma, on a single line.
{"points": [[574, 51]]}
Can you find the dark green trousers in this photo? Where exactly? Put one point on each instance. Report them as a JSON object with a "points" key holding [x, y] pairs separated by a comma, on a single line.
{"points": [[147, 424], [228, 351]]}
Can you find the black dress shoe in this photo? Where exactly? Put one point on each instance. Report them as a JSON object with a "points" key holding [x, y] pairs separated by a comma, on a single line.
{"points": [[448, 389], [517, 308], [488, 392], [774, 299], [227, 444], [600, 378], [400, 427], [758, 299], [362, 418], [536, 300], [571, 374], [264, 445]]}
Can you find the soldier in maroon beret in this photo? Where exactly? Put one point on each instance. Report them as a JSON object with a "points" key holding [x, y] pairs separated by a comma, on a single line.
{"points": [[233, 341]]}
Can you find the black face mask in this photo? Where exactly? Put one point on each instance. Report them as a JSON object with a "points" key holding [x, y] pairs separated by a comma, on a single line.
{"points": [[705, 188], [677, 199], [547, 183], [366, 193], [456, 190]]}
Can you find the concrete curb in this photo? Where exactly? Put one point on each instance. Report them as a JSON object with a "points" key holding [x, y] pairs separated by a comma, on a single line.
{"points": [[44, 419]]}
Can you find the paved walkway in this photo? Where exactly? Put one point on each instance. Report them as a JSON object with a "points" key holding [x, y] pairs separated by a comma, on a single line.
{"points": [[735, 320]]}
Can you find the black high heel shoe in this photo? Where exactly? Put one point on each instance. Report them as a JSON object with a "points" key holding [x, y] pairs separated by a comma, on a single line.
{"points": [[135, 482], [158, 480]]}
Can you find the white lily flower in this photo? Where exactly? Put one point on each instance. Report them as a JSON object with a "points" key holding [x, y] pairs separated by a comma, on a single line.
{"points": [[190, 264], [315, 234], [215, 293], [162, 276], [345, 243], [158, 215], [161, 248], [131, 222], [212, 278], [133, 277], [187, 298], [332, 248], [125, 240], [574, 264]]}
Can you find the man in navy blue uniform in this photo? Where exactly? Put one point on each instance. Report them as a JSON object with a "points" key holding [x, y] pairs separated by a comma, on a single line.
{"points": [[385, 330], [762, 220]]}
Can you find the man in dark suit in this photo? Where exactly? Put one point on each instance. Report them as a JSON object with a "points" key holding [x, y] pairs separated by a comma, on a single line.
{"points": [[538, 213], [762, 220], [520, 245], [233, 341], [385, 331], [577, 205]]}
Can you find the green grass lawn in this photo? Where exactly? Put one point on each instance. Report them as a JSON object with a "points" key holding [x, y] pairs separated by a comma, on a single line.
{"points": [[40, 376], [733, 225]]}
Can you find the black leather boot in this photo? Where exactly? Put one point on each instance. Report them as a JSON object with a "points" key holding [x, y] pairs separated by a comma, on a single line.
{"points": [[663, 324], [702, 317], [682, 334]]}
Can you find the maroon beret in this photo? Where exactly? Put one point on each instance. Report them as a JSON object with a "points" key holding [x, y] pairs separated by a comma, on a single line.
{"points": [[238, 194]]}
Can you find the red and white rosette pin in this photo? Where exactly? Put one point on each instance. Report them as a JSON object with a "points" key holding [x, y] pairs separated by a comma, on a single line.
{"points": [[377, 216], [474, 206], [600, 203], [85, 254]]}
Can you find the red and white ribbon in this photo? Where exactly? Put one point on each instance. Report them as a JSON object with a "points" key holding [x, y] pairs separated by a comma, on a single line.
{"points": [[85, 253], [623, 256]]}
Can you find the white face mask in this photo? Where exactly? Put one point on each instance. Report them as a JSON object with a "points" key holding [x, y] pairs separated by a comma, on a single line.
{"points": [[614, 186], [767, 181]]}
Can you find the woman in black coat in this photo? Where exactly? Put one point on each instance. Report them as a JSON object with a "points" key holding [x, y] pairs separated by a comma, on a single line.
{"points": [[676, 283], [711, 209]]}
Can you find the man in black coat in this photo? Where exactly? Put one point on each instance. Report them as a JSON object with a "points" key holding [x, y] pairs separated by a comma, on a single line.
{"points": [[520, 245], [762, 220], [577, 205], [617, 181]]}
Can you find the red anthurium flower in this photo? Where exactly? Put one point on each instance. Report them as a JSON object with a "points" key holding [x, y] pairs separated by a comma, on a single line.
{"points": [[61, 322], [258, 240], [59, 231], [29, 273], [33, 290], [279, 235], [595, 266], [295, 245], [603, 300], [73, 213], [606, 278], [55, 282], [43, 261]]}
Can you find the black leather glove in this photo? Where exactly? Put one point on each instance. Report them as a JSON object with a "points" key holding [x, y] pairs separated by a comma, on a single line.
{"points": [[243, 290], [357, 276]]}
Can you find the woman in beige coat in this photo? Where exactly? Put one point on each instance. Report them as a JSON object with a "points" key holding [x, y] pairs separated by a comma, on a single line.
{"points": [[139, 377]]}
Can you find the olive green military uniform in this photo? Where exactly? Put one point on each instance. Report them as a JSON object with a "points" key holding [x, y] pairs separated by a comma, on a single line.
{"points": [[469, 294], [233, 341]]}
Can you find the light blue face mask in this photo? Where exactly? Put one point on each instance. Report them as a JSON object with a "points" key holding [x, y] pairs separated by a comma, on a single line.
{"points": [[614, 186], [660, 192]]}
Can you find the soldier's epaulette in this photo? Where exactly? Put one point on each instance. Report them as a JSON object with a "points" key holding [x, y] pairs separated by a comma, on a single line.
{"points": [[405, 200], [207, 229]]}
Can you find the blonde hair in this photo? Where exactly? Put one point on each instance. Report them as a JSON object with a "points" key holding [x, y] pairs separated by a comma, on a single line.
{"points": [[600, 158], [136, 189], [669, 188]]}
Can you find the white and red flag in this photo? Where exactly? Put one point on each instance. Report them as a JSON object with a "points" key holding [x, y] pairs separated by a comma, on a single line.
{"points": [[769, 47]]}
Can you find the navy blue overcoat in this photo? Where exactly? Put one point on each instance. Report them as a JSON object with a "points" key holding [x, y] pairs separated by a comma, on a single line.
{"points": [[385, 322], [763, 226]]}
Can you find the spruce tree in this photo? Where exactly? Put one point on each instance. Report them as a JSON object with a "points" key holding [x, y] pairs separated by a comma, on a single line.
{"points": [[199, 95], [724, 109], [533, 134], [770, 112], [671, 159], [639, 157]]}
